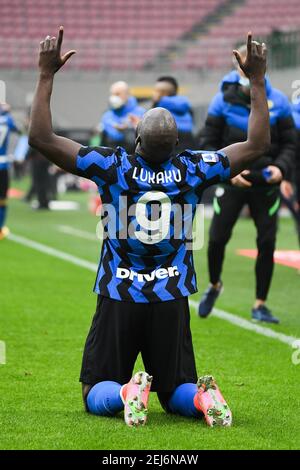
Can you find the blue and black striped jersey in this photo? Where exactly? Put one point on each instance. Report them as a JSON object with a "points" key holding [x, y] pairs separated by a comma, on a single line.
{"points": [[145, 256], [7, 125]]}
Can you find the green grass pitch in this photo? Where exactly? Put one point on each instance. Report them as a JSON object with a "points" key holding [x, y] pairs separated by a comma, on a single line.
{"points": [[46, 306]]}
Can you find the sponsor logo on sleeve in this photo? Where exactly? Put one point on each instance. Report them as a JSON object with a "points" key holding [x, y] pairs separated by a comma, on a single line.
{"points": [[210, 157]]}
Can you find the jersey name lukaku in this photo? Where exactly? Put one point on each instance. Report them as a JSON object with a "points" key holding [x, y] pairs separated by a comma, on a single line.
{"points": [[143, 259]]}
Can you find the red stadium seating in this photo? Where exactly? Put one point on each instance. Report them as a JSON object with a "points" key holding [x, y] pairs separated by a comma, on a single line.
{"points": [[261, 16], [114, 34], [118, 34]]}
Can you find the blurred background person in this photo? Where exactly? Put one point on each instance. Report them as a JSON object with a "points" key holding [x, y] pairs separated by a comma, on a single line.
{"points": [[258, 187], [7, 125], [43, 177], [296, 116], [42, 184], [118, 124], [165, 95], [290, 197]]}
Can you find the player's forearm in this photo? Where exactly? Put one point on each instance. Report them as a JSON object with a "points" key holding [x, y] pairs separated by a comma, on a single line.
{"points": [[242, 154], [259, 138], [40, 128], [59, 150]]}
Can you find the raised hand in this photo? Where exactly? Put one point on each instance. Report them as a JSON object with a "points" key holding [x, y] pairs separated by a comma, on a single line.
{"points": [[50, 58], [254, 65]]}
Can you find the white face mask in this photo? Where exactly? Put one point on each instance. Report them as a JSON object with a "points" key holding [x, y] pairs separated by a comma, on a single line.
{"points": [[244, 81], [115, 102]]}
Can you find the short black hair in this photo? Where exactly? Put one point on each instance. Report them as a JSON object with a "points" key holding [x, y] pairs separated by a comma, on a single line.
{"points": [[171, 80]]}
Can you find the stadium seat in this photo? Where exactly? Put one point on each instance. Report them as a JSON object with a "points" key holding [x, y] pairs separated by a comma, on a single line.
{"points": [[112, 36]]}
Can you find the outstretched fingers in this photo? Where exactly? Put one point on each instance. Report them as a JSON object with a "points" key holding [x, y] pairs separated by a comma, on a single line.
{"points": [[50, 48], [238, 57], [60, 37], [67, 56], [249, 44]]}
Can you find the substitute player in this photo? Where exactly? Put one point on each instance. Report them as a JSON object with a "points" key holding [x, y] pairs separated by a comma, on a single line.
{"points": [[7, 125], [145, 277]]}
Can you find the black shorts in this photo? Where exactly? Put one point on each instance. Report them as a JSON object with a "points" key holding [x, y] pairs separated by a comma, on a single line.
{"points": [[4, 184], [159, 331]]}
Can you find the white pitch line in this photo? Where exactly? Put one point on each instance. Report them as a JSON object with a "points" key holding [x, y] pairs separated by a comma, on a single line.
{"points": [[77, 232], [53, 252], [247, 325], [229, 317]]}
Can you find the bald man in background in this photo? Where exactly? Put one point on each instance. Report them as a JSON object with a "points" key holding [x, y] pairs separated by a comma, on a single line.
{"points": [[118, 123]]}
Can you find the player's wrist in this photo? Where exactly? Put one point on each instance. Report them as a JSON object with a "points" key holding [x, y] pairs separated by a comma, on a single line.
{"points": [[46, 75], [259, 81]]}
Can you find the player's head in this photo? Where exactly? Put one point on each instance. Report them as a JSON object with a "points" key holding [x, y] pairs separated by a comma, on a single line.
{"points": [[165, 86], [119, 94], [157, 135]]}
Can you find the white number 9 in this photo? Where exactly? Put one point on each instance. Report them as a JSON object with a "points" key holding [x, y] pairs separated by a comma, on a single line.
{"points": [[153, 231]]}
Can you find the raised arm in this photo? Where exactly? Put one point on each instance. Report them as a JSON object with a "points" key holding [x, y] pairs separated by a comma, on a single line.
{"points": [[58, 150], [258, 140]]}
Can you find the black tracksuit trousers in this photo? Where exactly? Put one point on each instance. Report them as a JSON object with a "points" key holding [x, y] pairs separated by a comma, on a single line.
{"points": [[263, 204]]}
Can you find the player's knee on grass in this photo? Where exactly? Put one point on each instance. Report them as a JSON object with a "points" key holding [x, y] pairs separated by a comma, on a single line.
{"points": [[181, 401], [103, 399]]}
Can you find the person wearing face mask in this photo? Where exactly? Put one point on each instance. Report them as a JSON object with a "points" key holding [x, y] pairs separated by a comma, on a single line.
{"points": [[258, 186], [118, 123]]}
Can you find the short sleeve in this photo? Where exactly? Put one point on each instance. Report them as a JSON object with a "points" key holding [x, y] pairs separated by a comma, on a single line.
{"points": [[96, 163], [215, 164], [206, 168]]}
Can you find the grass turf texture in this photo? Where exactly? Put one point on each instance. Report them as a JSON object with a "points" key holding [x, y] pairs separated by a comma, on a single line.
{"points": [[46, 307]]}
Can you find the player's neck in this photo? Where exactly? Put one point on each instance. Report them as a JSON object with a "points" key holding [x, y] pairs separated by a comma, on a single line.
{"points": [[145, 156]]}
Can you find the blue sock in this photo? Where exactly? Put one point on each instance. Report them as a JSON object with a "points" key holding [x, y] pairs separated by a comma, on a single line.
{"points": [[182, 400], [104, 399], [2, 216]]}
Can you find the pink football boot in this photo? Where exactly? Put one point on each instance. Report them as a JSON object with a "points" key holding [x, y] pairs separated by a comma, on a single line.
{"points": [[135, 397], [210, 401]]}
